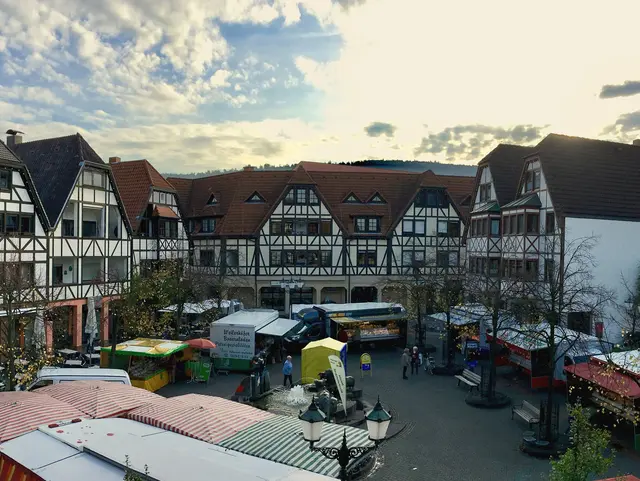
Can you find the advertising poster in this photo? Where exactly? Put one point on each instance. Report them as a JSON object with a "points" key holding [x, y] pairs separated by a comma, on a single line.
{"points": [[337, 367], [234, 343]]}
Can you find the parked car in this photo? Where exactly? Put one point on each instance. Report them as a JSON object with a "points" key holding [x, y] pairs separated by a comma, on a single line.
{"points": [[55, 375]]}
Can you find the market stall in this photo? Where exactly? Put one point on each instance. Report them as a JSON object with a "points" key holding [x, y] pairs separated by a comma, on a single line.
{"points": [[373, 329], [147, 360], [315, 357]]}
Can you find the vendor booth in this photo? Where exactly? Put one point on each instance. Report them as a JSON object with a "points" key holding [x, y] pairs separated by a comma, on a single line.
{"points": [[243, 334], [616, 378], [315, 357], [147, 360], [528, 350]]}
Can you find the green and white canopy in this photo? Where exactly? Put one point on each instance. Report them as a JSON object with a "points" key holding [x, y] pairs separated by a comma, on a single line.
{"points": [[280, 439]]}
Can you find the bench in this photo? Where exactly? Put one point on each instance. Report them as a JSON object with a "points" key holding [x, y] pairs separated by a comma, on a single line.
{"points": [[526, 411], [470, 378]]}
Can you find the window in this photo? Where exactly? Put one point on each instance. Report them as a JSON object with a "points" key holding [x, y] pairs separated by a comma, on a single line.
{"points": [[377, 199], [191, 226], [92, 268], [173, 229], [255, 198], [11, 222], [275, 227], [495, 227], [451, 228], [301, 296], [26, 224], [494, 267], [207, 258], [532, 180], [407, 227], [162, 231], [272, 298], [231, 258], [5, 179], [352, 199], [431, 198], [208, 225], [550, 221], [367, 224], [57, 274], [212, 200], [549, 270], [505, 226], [325, 227], [313, 197], [367, 258], [520, 224], [412, 258], [325, 260], [93, 178], [442, 259], [513, 224], [301, 196], [485, 192], [531, 269], [312, 228], [89, 228], [290, 197], [533, 223]]}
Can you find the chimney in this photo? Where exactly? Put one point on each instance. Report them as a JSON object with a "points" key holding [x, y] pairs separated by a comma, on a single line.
{"points": [[114, 160], [248, 168], [13, 138], [636, 142]]}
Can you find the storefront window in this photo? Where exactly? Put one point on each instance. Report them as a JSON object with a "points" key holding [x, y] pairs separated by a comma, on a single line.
{"points": [[272, 298], [302, 296]]}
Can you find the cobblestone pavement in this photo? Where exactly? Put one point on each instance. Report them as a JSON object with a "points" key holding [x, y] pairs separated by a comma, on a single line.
{"points": [[445, 439]]}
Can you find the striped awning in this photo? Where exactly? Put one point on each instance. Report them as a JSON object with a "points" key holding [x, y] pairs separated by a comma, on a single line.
{"points": [[280, 439], [22, 412], [100, 399], [208, 418]]}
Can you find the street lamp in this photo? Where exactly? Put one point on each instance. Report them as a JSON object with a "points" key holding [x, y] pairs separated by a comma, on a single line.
{"points": [[313, 419]]}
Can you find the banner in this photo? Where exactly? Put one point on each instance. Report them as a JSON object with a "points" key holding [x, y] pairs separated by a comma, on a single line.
{"points": [[337, 367]]}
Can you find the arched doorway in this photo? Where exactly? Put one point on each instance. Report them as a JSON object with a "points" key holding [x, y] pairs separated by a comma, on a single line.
{"points": [[364, 294]]}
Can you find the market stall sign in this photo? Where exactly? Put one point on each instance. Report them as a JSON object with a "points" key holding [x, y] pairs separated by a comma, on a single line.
{"points": [[365, 364]]}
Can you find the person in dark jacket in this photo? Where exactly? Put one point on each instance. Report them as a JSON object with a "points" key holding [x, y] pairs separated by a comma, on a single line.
{"points": [[406, 360]]}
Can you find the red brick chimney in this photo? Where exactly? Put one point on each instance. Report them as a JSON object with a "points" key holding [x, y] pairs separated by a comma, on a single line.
{"points": [[114, 160]]}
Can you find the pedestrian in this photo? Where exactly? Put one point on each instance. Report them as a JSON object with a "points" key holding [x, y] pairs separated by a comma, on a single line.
{"points": [[415, 360], [406, 360], [287, 371]]}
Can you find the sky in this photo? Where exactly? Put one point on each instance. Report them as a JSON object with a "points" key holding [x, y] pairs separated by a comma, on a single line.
{"points": [[193, 85]]}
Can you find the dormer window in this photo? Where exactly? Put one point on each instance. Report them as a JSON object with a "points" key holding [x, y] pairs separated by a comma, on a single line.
{"points": [[532, 180], [93, 178], [351, 199], [367, 224], [431, 198], [212, 200], [255, 198], [301, 196], [377, 199], [485, 192], [208, 225]]}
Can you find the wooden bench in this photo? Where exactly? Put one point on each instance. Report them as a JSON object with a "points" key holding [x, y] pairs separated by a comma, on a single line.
{"points": [[470, 378], [526, 411]]}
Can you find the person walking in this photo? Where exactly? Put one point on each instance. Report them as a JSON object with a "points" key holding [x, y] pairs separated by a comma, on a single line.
{"points": [[415, 360], [406, 360], [287, 371]]}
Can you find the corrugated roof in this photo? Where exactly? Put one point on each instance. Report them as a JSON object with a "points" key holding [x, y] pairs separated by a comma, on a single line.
{"points": [[54, 165], [591, 178], [135, 179]]}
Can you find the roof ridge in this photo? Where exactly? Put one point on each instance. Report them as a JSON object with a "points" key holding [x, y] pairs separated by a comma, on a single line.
{"points": [[49, 138]]}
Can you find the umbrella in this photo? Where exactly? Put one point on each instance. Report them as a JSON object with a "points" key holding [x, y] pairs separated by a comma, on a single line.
{"points": [[22, 412], [201, 344], [100, 399], [207, 418]]}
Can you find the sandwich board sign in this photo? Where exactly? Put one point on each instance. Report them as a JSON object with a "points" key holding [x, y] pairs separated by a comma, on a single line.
{"points": [[365, 364]]}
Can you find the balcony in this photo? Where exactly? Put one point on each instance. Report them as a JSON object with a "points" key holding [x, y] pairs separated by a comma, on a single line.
{"points": [[92, 269]]}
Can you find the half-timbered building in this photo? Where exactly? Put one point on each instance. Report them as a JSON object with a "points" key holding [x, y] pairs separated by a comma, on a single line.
{"points": [[23, 229], [321, 232], [151, 204], [568, 189], [89, 239]]}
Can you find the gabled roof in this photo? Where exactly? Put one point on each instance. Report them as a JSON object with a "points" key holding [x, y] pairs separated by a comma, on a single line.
{"points": [[333, 184], [54, 165], [591, 178], [7, 155], [505, 163], [135, 180]]}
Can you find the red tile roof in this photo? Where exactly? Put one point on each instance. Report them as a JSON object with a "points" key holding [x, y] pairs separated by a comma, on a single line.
{"points": [[135, 179], [333, 183], [460, 188]]}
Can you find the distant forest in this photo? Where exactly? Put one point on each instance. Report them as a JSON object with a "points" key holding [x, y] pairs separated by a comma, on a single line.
{"points": [[408, 165]]}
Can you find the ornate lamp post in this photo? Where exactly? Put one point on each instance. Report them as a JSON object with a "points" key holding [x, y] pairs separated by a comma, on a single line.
{"points": [[313, 419]]}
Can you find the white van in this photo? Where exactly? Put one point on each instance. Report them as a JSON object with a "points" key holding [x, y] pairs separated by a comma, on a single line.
{"points": [[55, 375]]}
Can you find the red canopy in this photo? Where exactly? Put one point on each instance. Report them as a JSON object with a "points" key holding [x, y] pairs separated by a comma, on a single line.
{"points": [[609, 379]]}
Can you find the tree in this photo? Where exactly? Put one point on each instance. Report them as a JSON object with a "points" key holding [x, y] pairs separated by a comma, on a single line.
{"points": [[629, 308], [587, 455], [567, 289], [23, 304]]}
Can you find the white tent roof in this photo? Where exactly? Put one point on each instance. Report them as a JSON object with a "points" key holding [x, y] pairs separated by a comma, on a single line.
{"points": [[627, 360], [258, 318], [279, 327], [198, 307]]}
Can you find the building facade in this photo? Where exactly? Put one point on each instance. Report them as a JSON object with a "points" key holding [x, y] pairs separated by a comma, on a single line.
{"points": [[88, 238], [151, 204], [323, 232]]}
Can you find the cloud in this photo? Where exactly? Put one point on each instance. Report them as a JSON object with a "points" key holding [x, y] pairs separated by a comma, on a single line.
{"points": [[625, 128], [627, 89], [376, 129], [470, 141], [30, 94]]}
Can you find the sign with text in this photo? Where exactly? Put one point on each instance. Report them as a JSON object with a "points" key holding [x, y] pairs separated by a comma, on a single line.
{"points": [[365, 364], [233, 342], [341, 379]]}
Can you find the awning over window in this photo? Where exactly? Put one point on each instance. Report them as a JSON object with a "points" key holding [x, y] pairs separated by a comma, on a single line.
{"points": [[164, 211]]}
